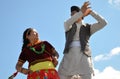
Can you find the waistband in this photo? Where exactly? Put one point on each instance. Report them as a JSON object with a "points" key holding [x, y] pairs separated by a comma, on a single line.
{"points": [[75, 43], [42, 65]]}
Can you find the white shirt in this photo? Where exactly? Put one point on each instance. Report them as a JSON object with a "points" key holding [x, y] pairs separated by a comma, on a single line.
{"points": [[94, 27], [101, 22]]}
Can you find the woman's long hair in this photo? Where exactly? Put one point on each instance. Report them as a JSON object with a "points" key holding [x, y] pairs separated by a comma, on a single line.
{"points": [[25, 40]]}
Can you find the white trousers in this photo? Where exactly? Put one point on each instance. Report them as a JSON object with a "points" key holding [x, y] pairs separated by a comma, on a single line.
{"points": [[87, 76], [75, 65]]}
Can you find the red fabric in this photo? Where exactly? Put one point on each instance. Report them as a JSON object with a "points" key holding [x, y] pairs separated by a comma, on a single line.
{"points": [[44, 74], [30, 56]]}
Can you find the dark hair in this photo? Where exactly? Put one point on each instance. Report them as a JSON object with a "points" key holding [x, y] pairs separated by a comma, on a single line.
{"points": [[75, 8], [25, 40]]}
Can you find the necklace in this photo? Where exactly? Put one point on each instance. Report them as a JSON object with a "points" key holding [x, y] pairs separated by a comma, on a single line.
{"points": [[38, 52]]}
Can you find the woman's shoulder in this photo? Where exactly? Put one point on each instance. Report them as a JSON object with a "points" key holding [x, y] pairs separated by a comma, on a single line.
{"points": [[25, 49], [45, 42]]}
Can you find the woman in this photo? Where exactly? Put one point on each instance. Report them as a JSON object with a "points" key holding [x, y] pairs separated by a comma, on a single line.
{"points": [[41, 56]]}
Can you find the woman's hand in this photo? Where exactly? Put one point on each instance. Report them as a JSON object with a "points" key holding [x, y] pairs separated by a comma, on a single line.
{"points": [[55, 61], [22, 70], [25, 71]]}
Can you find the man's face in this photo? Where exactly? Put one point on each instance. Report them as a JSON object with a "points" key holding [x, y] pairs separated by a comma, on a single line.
{"points": [[73, 12]]}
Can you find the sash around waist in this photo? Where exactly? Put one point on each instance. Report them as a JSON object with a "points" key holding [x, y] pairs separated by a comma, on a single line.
{"points": [[75, 43], [42, 65]]}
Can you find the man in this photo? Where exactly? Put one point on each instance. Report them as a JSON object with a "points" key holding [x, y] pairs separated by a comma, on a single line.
{"points": [[76, 62]]}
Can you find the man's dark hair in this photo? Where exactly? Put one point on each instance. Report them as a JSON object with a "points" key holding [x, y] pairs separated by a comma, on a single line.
{"points": [[75, 8]]}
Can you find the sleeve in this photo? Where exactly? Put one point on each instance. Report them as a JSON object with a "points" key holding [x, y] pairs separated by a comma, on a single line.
{"points": [[22, 57], [51, 49], [68, 23], [101, 22], [48, 46]]}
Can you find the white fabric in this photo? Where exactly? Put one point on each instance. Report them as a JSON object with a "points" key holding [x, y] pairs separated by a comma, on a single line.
{"points": [[70, 21], [76, 36], [87, 76], [101, 22], [75, 43], [75, 62]]}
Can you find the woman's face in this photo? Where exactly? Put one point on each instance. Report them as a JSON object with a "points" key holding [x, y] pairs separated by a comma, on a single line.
{"points": [[33, 36]]}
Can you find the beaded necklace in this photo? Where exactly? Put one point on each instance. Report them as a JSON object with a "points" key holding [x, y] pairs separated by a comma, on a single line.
{"points": [[38, 52]]}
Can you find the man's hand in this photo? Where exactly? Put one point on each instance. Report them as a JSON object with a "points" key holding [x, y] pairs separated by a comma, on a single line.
{"points": [[86, 9]]}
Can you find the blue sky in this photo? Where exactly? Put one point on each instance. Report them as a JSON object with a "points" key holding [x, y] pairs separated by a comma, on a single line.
{"points": [[48, 16]]}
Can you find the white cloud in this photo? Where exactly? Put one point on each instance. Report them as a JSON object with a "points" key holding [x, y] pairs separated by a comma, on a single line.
{"points": [[115, 3], [99, 57], [107, 73], [113, 52]]}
